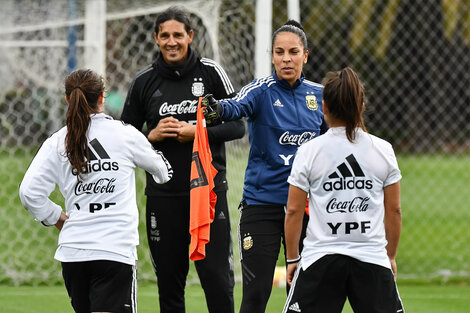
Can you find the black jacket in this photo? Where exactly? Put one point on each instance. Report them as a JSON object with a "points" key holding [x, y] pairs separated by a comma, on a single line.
{"points": [[160, 91]]}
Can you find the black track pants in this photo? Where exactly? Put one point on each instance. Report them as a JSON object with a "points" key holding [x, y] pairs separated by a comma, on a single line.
{"points": [[168, 236], [261, 232]]}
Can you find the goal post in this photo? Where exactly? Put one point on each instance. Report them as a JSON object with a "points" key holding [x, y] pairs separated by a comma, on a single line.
{"points": [[95, 36], [264, 11]]}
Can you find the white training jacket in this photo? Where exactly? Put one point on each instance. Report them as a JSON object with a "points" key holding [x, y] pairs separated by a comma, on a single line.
{"points": [[101, 205], [345, 182]]}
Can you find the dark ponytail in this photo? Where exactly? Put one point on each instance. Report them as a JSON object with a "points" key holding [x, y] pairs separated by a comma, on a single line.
{"points": [[343, 94], [83, 89]]}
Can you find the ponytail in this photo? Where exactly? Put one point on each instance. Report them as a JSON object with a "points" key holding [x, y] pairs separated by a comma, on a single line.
{"points": [[82, 89], [343, 93]]}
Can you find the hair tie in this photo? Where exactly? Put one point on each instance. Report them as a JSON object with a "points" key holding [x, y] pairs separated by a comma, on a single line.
{"points": [[78, 88]]}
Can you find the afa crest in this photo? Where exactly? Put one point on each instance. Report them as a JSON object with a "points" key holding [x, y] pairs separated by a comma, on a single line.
{"points": [[247, 242], [198, 89], [311, 102]]}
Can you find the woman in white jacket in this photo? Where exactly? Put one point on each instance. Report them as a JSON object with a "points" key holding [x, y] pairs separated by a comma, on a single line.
{"points": [[92, 160], [353, 183]]}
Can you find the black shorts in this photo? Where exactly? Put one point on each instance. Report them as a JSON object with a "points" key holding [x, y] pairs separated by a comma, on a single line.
{"points": [[101, 286], [325, 285]]}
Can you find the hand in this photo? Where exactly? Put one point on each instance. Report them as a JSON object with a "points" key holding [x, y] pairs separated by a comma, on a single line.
{"points": [[166, 128], [186, 132], [60, 223], [393, 263], [290, 272], [212, 110]]}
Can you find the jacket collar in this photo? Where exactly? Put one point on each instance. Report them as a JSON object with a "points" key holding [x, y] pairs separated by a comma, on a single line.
{"points": [[97, 116], [285, 84], [176, 72]]}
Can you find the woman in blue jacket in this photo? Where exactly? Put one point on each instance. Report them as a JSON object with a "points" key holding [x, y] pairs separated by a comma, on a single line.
{"points": [[283, 111]]}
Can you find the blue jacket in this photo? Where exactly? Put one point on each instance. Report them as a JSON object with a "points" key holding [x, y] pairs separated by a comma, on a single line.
{"points": [[280, 118]]}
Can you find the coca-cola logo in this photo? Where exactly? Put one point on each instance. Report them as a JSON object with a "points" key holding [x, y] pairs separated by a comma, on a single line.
{"points": [[102, 185], [296, 139], [358, 204], [185, 107]]}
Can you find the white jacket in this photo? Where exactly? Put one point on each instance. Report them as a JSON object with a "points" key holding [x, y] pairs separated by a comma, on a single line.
{"points": [[101, 204], [345, 182]]}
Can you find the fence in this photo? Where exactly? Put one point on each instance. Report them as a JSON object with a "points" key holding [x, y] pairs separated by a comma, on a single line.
{"points": [[414, 57]]}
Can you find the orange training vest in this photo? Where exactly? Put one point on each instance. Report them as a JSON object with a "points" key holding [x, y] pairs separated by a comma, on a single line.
{"points": [[203, 198]]}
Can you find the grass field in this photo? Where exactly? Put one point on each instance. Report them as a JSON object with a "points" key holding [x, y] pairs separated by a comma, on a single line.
{"points": [[436, 211], [416, 298]]}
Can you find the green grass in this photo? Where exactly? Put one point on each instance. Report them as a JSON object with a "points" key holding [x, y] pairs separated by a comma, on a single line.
{"points": [[416, 298], [436, 212]]}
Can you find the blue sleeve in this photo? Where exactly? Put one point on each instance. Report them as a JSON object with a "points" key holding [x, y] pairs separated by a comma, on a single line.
{"points": [[222, 88], [243, 104]]}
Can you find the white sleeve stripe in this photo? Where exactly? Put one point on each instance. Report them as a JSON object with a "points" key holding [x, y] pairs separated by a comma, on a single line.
{"points": [[245, 90], [253, 85], [222, 74], [308, 82], [269, 83]]}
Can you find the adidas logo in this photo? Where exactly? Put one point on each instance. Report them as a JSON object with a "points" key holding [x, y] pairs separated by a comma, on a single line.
{"points": [[221, 216], [98, 153], [157, 94], [278, 103], [349, 171], [295, 307]]}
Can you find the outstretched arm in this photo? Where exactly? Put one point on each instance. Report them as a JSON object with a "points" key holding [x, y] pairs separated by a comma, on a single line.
{"points": [[220, 132]]}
